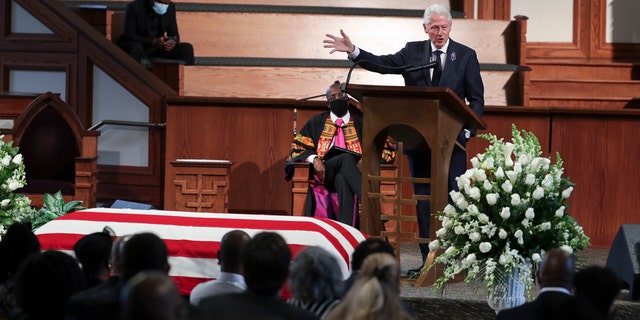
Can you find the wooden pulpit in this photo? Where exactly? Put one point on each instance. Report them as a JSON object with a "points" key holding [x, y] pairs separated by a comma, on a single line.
{"points": [[414, 116]]}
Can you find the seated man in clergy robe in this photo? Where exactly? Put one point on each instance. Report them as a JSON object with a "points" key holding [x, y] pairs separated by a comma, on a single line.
{"points": [[336, 186]]}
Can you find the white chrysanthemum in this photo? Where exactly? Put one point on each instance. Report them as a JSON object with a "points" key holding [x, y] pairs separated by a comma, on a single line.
{"points": [[560, 212], [505, 213], [538, 193], [484, 247], [515, 199], [492, 198], [507, 186], [566, 193], [529, 214]]}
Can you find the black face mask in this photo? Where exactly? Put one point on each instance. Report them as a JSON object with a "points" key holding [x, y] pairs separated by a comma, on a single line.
{"points": [[339, 107]]}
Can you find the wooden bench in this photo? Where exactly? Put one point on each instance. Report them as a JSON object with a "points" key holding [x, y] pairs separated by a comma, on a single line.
{"points": [[279, 53]]}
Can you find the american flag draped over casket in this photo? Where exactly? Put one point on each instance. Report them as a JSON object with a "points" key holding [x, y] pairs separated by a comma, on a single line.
{"points": [[193, 238]]}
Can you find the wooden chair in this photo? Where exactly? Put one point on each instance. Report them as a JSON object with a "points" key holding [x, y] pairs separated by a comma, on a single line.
{"points": [[59, 154]]}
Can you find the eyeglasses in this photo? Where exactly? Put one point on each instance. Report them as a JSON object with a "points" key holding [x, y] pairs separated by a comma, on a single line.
{"points": [[340, 96]]}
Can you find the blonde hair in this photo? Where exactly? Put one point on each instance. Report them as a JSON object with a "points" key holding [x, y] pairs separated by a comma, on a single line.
{"points": [[375, 293]]}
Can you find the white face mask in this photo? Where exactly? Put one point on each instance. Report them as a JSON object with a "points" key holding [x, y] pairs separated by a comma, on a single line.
{"points": [[160, 8]]}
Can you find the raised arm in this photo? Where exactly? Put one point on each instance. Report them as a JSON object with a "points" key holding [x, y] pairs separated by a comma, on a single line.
{"points": [[339, 44]]}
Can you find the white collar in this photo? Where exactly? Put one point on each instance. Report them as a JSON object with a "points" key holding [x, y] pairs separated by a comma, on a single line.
{"points": [[345, 118], [443, 49]]}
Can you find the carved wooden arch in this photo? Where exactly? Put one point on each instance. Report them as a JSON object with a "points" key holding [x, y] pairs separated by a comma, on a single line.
{"points": [[85, 141]]}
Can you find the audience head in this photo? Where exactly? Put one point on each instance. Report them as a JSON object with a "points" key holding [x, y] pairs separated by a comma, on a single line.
{"points": [[437, 24], [598, 287], [376, 292], [17, 244], [115, 260], [144, 252], [315, 275], [557, 269], [92, 251], [368, 247], [151, 295], [231, 246], [337, 99], [265, 260], [45, 283]]}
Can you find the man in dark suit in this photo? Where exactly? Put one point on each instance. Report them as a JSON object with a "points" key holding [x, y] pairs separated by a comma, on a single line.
{"points": [[457, 68], [265, 260], [556, 281], [151, 31]]}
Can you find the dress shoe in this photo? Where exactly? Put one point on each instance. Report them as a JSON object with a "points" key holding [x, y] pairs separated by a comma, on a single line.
{"points": [[414, 272]]}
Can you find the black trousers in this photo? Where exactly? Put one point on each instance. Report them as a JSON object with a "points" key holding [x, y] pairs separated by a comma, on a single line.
{"points": [[182, 51], [344, 178]]}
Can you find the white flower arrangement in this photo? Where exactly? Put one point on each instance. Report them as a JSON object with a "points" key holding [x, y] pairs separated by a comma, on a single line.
{"points": [[511, 209], [14, 207]]}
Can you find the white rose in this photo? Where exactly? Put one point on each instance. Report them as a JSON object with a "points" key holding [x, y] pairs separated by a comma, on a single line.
{"points": [[504, 259], [559, 174], [483, 218], [492, 198], [530, 179], [471, 258], [485, 247], [17, 159], [545, 163], [446, 223], [538, 193], [474, 236], [487, 164], [449, 250], [475, 162], [463, 182], [500, 173], [560, 212], [517, 167], [462, 203], [529, 214], [480, 175], [515, 199], [473, 210], [507, 186], [449, 209], [5, 202], [458, 229], [536, 257], [14, 185], [518, 233], [545, 226], [6, 160], [441, 232], [470, 173], [474, 193], [455, 196], [523, 159], [505, 213], [567, 249], [502, 234], [512, 175], [487, 185], [566, 193], [434, 245]]}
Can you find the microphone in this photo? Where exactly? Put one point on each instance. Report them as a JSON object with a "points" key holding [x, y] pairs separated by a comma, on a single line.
{"points": [[402, 69]]}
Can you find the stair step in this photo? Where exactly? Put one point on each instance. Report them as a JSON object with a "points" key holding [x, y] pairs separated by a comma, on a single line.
{"points": [[582, 88]]}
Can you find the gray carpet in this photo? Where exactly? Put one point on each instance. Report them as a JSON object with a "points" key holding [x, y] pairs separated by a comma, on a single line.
{"points": [[461, 301]]}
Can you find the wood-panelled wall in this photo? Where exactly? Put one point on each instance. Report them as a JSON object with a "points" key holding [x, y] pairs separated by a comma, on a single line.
{"points": [[255, 134]]}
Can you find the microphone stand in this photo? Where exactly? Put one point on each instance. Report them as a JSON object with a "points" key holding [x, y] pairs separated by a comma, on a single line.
{"points": [[343, 86]]}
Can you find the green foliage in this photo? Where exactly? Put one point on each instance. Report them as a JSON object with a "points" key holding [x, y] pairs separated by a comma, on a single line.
{"points": [[54, 207]]}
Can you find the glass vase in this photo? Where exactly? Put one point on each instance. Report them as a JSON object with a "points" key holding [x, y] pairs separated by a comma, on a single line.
{"points": [[507, 294]]}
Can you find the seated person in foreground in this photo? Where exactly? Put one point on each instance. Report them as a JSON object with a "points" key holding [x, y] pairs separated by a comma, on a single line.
{"points": [[151, 31], [340, 174]]}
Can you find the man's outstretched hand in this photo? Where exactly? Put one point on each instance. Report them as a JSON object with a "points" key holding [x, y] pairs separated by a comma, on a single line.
{"points": [[339, 44]]}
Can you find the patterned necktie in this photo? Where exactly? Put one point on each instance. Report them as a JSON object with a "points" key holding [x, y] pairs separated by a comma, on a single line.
{"points": [[437, 72], [339, 139]]}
